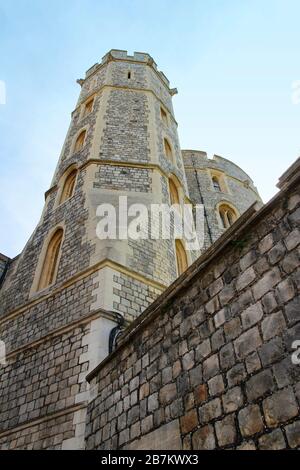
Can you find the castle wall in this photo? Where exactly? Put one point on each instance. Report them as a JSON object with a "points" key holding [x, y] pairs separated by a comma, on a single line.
{"points": [[56, 335], [209, 364], [237, 188]]}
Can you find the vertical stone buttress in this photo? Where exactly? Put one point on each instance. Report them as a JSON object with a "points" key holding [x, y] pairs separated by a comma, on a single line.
{"points": [[54, 336]]}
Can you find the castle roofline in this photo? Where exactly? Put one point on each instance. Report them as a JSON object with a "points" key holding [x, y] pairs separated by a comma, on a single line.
{"points": [[119, 54], [216, 158]]}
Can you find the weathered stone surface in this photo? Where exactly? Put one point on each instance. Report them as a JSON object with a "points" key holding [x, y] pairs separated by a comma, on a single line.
{"points": [[227, 357], [285, 290], [247, 445], [286, 373], [276, 253], [253, 362], [259, 385], [290, 262], [189, 422], [248, 259], [266, 243], [200, 394], [250, 420], [153, 402], [247, 342], [166, 437], [245, 279], [204, 438], [211, 366], [252, 315], [266, 283], [236, 375], [280, 407], [210, 410], [203, 350], [293, 239], [232, 329], [226, 431], [232, 400], [272, 441], [271, 352], [226, 295], [216, 385], [195, 375], [292, 310], [273, 325], [167, 393], [293, 434], [269, 302], [217, 340]]}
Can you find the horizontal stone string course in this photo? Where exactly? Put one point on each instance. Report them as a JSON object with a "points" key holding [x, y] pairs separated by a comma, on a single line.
{"points": [[214, 366]]}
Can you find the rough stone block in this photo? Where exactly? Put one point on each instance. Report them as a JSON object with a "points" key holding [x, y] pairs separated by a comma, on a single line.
{"points": [[227, 358], [250, 420], [266, 283], [232, 329], [211, 367], [232, 400], [293, 239], [271, 352], [269, 302], [293, 434], [236, 375], [167, 393], [272, 441], [273, 325], [210, 410], [189, 422], [226, 431], [253, 362], [204, 438], [247, 342], [292, 310], [259, 385], [200, 394], [280, 407], [252, 315], [216, 385], [285, 290], [276, 253], [245, 278]]}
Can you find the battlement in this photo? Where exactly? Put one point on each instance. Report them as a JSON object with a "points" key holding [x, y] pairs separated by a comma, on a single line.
{"points": [[116, 54]]}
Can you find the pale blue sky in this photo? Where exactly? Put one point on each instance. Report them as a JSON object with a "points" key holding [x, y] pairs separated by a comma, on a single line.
{"points": [[233, 62]]}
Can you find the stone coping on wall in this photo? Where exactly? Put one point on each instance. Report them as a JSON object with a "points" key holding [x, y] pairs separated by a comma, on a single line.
{"points": [[234, 234]]}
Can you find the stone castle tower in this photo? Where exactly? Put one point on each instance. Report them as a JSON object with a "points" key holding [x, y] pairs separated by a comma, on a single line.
{"points": [[68, 290]]}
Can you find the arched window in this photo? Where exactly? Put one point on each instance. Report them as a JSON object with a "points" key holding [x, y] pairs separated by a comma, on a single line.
{"points": [[69, 185], [50, 264], [79, 141], [168, 150], [174, 195], [88, 107], [181, 257], [164, 116], [227, 215], [216, 183]]}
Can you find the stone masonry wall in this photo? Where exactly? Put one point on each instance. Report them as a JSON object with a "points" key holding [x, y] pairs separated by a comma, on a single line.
{"points": [[208, 365]]}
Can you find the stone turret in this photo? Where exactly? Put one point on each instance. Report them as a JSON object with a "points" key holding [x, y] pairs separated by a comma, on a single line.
{"points": [[218, 183]]}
